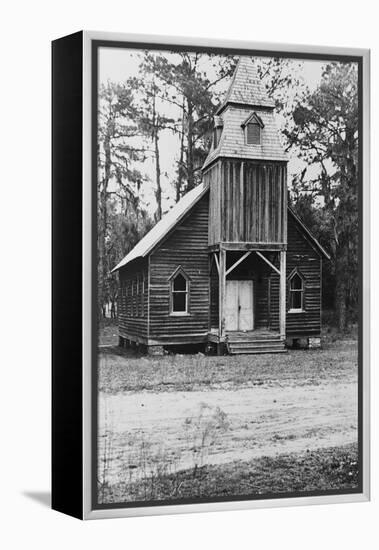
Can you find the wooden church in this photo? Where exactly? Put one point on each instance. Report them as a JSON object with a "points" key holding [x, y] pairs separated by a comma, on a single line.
{"points": [[230, 266]]}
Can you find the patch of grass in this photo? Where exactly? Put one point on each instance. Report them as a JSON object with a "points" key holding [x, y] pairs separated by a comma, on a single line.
{"points": [[331, 334], [320, 470], [122, 370], [108, 332]]}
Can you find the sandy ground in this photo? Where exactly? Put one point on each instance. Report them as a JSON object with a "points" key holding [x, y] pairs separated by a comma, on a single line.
{"points": [[260, 420]]}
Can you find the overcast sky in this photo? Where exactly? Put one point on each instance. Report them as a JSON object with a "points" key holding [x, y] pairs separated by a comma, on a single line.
{"points": [[119, 64]]}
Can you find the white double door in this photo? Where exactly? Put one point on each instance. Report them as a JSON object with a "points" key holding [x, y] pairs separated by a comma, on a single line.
{"points": [[239, 305]]}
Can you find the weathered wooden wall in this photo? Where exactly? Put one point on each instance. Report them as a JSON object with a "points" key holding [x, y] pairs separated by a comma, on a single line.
{"points": [[300, 254], [133, 306], [214, 299], [261, 295], [186, 246], [248, 202], [212, 178]]}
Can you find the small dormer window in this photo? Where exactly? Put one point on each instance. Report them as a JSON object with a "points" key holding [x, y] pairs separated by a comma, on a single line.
{"points": [[253, 133], [252, 128]]}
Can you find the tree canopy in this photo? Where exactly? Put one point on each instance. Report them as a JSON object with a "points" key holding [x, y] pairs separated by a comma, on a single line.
{"points": [[325, 135]]}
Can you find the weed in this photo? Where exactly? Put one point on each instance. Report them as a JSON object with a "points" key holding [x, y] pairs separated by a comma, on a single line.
{"points": [[202, 431]]}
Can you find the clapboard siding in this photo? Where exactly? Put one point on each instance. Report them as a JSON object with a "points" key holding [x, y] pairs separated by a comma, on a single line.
{"points": [[248, 202], [303, 256], [133, 300], [186, 246], [261, 292]]}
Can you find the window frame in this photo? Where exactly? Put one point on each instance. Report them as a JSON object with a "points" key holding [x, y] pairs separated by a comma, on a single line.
{"points": [[186, 312], [253, 118], [296, 290]]}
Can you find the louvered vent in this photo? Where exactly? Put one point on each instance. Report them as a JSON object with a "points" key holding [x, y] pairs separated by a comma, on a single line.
{"points": [[253, 134]]}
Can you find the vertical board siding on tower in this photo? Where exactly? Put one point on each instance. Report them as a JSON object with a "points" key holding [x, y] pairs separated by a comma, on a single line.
{"points": [[300, 255], [247, 203], [186, 246], [213, 180], [214, 301], [132, 307]]}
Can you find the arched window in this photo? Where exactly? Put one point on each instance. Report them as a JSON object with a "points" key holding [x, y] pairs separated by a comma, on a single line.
{"points": [[296, 292], [253, 133], [179, 290]]}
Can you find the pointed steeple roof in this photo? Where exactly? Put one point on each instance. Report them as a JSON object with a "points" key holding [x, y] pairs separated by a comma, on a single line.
{"points": [[246, 87], [246, 101]]}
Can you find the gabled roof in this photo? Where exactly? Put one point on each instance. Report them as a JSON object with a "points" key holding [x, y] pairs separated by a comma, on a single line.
{"points": [[246, 87], [160, 230], [253, 117], [309, 234]]}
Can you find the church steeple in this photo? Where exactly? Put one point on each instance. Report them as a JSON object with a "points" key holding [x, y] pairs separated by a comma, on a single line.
{"points": [[245, 126], [246, 88]]}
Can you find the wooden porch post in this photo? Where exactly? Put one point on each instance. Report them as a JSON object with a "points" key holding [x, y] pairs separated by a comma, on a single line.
{"points": [[222, 285], [282, 295]]}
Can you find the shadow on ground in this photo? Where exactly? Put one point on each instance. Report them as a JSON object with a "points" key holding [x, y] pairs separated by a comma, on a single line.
{"points": [[41, 497]]}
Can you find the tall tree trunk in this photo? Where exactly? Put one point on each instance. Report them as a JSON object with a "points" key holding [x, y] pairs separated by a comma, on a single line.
{"points": [[155, 138], [158, 191], [341, 290], [179, 182], [103, 271], [190, 164]]}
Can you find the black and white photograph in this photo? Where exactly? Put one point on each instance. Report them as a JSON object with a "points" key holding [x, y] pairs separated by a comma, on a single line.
{"points": [[189, 256], [228, 276]]}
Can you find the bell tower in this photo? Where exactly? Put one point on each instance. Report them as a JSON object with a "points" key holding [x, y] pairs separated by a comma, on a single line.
{"points": [[246, 170]]}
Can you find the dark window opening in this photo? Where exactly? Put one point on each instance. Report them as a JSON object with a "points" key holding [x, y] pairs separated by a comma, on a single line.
{"points": [[253, 133], [179, 294]]}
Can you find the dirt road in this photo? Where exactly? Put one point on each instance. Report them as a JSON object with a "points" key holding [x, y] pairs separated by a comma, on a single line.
{"points": [[259, 420]]}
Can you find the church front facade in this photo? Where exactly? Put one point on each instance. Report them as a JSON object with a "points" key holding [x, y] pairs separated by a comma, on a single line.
{"points": [[231, 265]]}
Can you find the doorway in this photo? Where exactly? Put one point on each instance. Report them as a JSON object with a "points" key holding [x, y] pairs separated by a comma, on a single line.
{"points": [[239, 305]]}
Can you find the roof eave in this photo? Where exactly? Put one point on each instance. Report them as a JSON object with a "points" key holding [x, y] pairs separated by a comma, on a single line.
{"points": [[220, 156], [164, 235], [265, 106], [310, 235]]}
